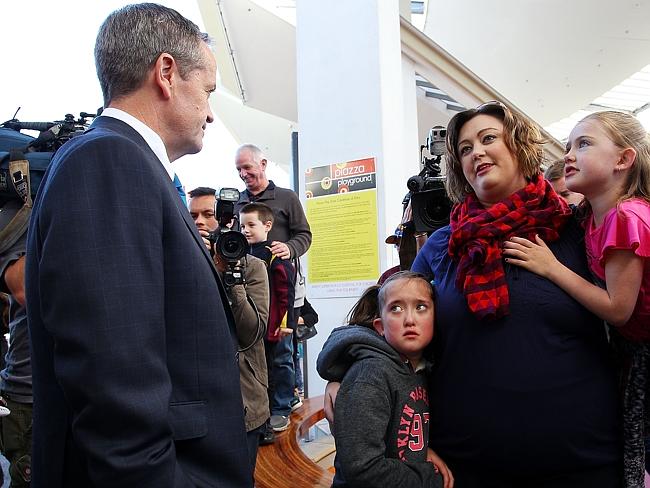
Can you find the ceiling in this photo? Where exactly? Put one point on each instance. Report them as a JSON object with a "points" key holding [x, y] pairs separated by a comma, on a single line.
{"points": [[550, 58]]}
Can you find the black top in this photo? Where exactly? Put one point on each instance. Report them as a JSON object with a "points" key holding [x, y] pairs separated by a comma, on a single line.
{"points": [[533, 392]]}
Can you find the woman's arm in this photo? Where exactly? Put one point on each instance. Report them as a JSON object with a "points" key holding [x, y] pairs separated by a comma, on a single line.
{"points": [[623, 275]]}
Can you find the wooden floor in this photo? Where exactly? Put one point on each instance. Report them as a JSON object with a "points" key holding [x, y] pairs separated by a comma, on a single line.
{"points": [[283, 464]]}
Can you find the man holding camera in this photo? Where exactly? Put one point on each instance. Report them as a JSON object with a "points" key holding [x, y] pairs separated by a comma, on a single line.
{"points": [[135, 381], [250, 306]]}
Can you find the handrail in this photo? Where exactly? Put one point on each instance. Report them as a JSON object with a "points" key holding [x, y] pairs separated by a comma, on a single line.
{"points": [[283, 464]]}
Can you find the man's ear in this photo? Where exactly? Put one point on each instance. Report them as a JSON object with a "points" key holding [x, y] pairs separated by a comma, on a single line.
{"points": [[263, 163], [378, 326], [628, 156], [165, 73]]}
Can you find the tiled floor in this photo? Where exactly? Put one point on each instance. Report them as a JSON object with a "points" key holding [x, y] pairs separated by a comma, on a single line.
{"points": [[319, 445]]}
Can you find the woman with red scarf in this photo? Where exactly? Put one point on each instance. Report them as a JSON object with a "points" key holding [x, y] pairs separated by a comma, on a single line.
{"points": [[523, 393]]}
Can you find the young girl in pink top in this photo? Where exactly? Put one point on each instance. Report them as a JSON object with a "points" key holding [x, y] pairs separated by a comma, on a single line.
{"points": [[608, 160]]}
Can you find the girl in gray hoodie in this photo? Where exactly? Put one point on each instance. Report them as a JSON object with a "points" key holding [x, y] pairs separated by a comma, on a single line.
{"points": [[382, 408]]}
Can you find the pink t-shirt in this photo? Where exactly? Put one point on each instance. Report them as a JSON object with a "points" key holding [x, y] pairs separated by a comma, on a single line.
{"points": [[627, 226]]}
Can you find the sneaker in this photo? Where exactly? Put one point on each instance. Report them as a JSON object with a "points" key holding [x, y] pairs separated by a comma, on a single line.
{"points": [[279, 423], [295, 404], [267, 437]]}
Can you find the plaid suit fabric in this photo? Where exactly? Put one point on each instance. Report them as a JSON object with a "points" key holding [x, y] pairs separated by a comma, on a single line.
{"points": [[478, 232]]}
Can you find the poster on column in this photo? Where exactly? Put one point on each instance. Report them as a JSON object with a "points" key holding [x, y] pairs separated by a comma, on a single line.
{"points": [[341, 205]]}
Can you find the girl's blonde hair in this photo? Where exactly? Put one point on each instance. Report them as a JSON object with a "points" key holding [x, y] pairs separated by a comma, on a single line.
{"points": [[626, 131]]}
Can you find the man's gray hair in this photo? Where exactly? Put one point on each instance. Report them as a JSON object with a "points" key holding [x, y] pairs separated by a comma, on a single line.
{"points": [[253, 149], [132, 38]]}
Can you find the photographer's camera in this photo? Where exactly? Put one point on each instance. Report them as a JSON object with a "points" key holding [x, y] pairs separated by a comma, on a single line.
{"points": [[230, 245]]}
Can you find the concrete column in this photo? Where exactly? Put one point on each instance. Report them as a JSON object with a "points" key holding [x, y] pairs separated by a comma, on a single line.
{"points": [[356, 99]]}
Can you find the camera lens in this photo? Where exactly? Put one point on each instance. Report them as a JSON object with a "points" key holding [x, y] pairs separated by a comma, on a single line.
{"points": [[232, 245], [431, 208], [415, 183]]}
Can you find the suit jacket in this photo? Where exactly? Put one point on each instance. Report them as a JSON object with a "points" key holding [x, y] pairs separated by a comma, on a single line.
{"points": [[134, 362]]}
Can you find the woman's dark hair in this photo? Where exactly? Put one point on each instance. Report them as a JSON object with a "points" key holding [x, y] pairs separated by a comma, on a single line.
{"points": [[520, 134]]}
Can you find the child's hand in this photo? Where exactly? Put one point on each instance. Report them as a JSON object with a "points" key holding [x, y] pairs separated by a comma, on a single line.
{"points": [[441, 467], [535, 257], [285, 331]]}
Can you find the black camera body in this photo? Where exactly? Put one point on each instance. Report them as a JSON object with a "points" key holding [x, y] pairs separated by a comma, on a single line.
{"points": [[429, 201], [37, 151], [52, 134], [230, 245]]}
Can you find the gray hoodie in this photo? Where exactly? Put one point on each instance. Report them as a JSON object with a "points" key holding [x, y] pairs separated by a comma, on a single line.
{"points": [[381, 418]]}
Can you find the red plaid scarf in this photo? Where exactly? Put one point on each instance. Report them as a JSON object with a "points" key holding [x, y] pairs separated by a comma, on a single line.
{"points": [[477, 234]]}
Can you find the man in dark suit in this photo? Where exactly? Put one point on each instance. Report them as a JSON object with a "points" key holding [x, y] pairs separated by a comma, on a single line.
{"points": [[134, 365]]}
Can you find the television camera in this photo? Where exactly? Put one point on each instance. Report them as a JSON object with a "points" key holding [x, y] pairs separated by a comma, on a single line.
{"points": [[37, 151], [430, 204], [52, 134], [231, 245], [23, 162]]}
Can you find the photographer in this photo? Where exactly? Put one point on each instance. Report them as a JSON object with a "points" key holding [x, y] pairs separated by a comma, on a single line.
{"points": [[250, 307], [16, 377]]}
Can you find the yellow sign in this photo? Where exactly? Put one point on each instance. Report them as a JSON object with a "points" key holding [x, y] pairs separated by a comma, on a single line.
{"points": [[344, 256]]}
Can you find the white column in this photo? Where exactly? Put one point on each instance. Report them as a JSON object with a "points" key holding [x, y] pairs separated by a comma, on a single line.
{"points": [[356, 99]]}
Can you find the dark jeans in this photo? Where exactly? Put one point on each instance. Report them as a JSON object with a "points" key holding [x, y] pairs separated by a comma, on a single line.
{"points": [[603, 477], [253, 440], [16, 442], [279, 362]]}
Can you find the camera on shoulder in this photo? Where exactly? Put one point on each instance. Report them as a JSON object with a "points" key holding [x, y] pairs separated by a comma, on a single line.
{"points": [[429, 201], [230, 245]]}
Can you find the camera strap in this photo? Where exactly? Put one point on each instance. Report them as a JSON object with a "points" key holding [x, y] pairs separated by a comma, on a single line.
{"points": [[19, 176]]}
